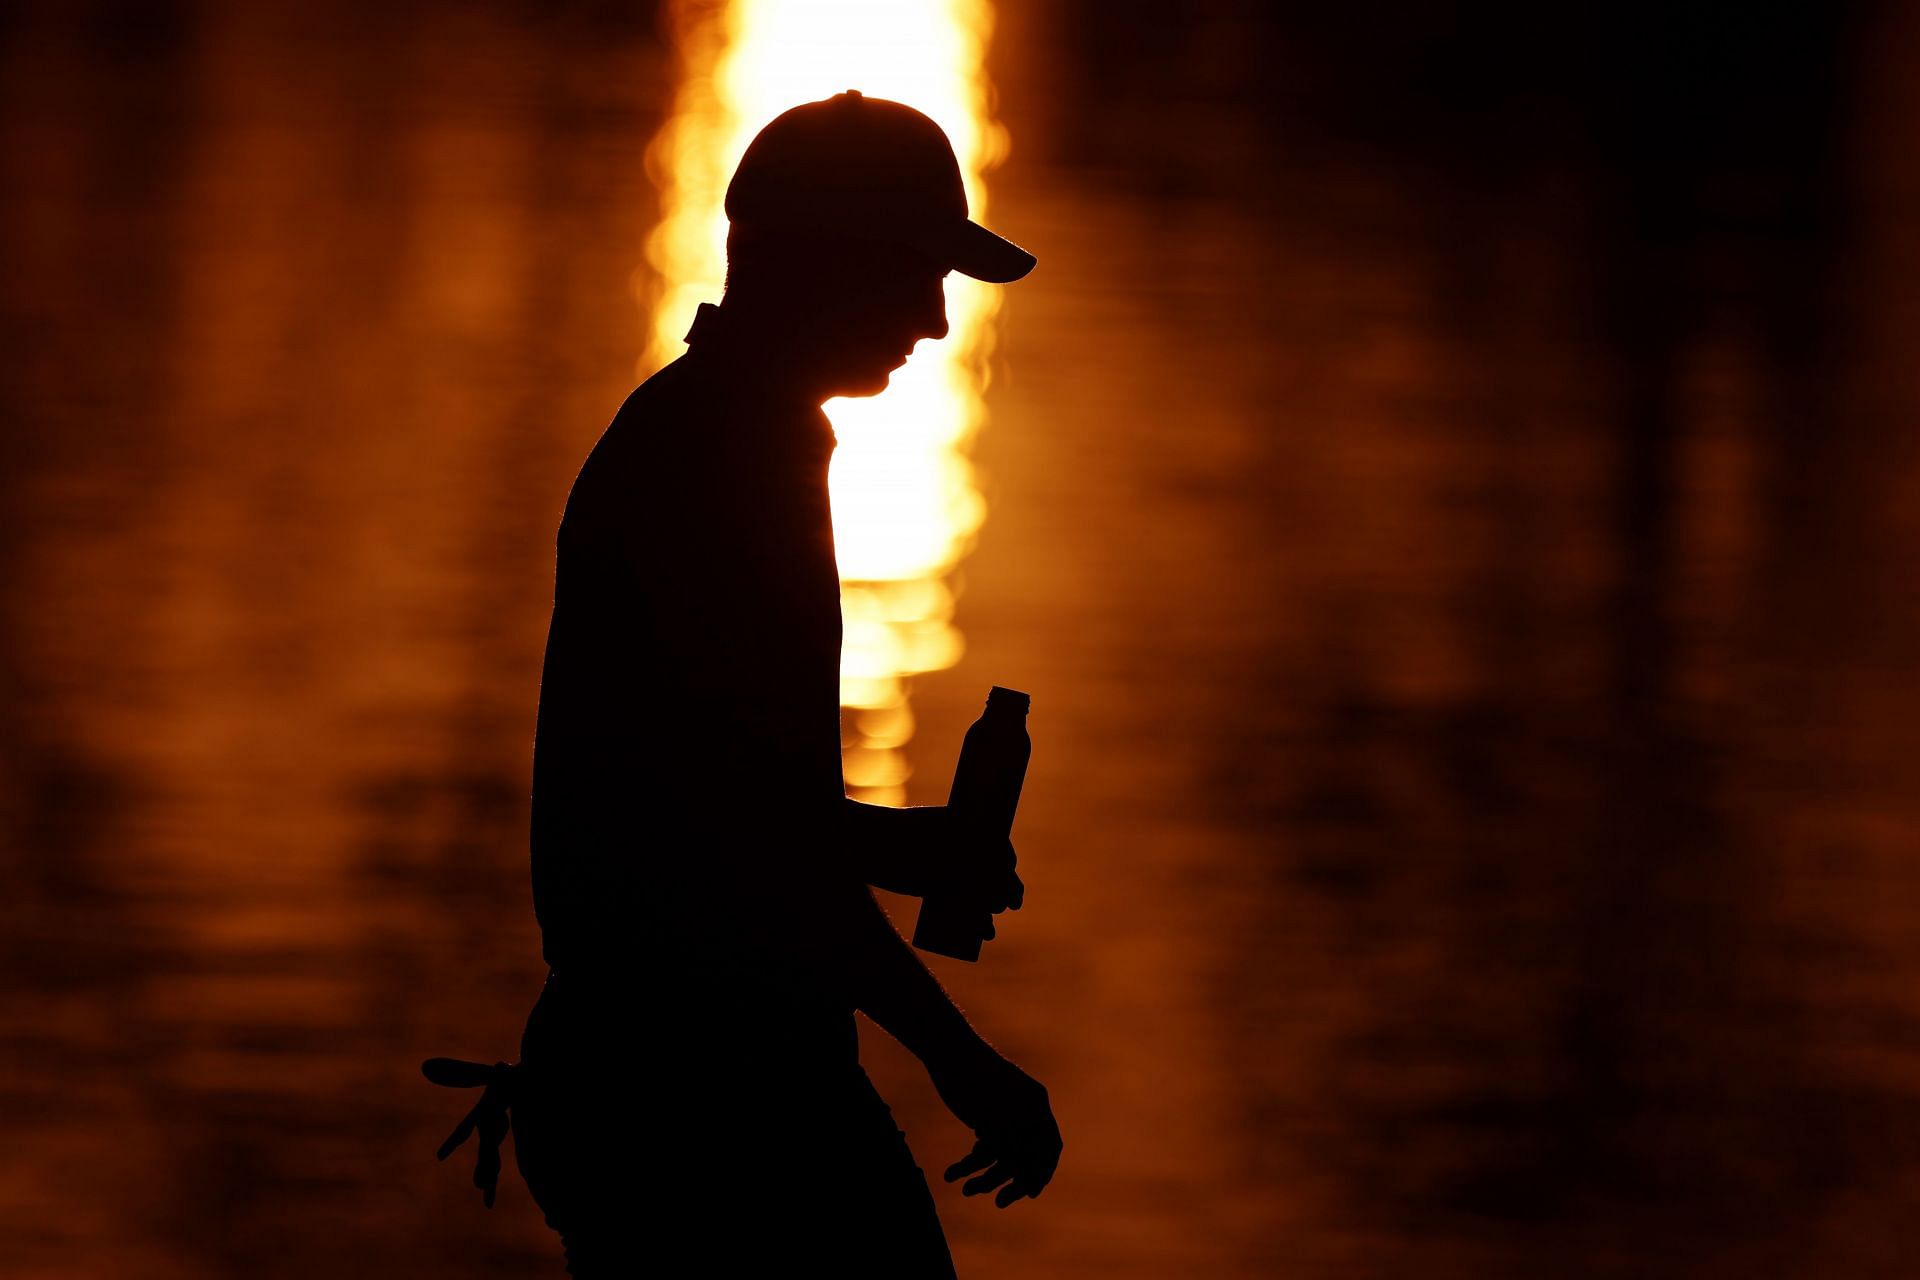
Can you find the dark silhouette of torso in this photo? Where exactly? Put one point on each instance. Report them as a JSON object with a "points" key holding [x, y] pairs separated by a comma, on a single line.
{"points": [[687, 757], [688, 737]]}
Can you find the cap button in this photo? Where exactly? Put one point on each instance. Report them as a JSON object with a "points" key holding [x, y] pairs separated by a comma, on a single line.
{"points": [[851, 93]]}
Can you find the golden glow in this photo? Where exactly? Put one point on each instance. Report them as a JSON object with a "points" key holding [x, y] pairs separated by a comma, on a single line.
{"points": [[905, 508]]}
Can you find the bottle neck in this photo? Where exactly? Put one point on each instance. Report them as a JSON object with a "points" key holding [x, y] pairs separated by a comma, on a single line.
{"points": [[1007, 702]]}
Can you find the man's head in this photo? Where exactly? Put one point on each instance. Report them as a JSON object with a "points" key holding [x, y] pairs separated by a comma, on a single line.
{"points": [[847, 214]]}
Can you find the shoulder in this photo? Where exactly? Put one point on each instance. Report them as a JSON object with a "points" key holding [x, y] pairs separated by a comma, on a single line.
{"points": [[642, 455]]}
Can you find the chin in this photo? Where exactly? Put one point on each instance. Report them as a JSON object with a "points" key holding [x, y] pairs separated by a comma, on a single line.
{"points": [[871, 385]]}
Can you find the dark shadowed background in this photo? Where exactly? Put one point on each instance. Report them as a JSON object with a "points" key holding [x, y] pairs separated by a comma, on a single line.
{"points": [[1452, 493]]}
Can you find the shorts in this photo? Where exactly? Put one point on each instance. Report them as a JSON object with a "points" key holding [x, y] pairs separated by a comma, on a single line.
{"points": [[704, 1154]]}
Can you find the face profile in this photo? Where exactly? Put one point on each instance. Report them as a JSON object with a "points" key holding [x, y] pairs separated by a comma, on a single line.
{"points": [[839, 314], [874, 322]]}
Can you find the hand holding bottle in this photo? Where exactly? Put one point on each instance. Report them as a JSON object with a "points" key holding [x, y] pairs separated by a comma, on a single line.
{"points": [[982, 803], [969, 866]]}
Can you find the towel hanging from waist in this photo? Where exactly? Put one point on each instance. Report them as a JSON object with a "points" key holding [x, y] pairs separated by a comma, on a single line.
{"points": [[489, 1117]]}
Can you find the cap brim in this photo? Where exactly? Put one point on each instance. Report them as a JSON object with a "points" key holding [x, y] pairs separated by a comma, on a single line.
{"points": [[979, 253]]}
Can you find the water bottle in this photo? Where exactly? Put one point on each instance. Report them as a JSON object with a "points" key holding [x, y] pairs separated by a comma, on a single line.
{"points": [[986, 791]]}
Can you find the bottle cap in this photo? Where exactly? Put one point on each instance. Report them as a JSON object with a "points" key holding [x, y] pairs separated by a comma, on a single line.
{"points": [[1011, 699]]}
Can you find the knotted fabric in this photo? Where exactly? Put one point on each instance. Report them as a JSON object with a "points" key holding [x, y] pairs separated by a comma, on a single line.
{"points": [[488, 1118]]}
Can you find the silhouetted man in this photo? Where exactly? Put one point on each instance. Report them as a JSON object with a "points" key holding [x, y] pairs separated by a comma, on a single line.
{"points": [[689, 1085]]}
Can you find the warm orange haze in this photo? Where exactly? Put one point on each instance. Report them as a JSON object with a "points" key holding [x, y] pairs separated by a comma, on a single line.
{"points": [[1448, 486]]}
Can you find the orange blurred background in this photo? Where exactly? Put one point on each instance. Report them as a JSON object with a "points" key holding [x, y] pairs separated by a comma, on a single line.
{"points": [[1449, 486]]}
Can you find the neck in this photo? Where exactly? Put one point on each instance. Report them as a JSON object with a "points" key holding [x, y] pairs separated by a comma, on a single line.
{"points": [[773, 344]]}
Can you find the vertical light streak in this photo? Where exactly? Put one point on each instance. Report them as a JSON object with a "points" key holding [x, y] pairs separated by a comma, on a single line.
{"points": [[905, 505]]}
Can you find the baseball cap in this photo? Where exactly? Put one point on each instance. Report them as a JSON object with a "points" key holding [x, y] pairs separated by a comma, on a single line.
{"points": [[864, 166]]}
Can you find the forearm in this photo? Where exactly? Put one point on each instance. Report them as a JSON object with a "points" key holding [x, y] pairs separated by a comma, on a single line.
{"points": [[884, 845], [901, 994], [851, 948]]}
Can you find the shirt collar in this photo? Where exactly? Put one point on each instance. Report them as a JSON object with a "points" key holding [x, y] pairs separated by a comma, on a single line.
{"points": [[707, 322]]}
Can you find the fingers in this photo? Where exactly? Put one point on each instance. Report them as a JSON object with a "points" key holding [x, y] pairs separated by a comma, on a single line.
{"points": [[1005, 894], [980, 1157], [1018, 1181], [1017, 1174], [987, 1181], [990, 880]]}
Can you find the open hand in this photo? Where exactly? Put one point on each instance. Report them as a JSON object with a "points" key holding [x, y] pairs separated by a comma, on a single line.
{"points": [[1024, 1171], [1018, 1142]]}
